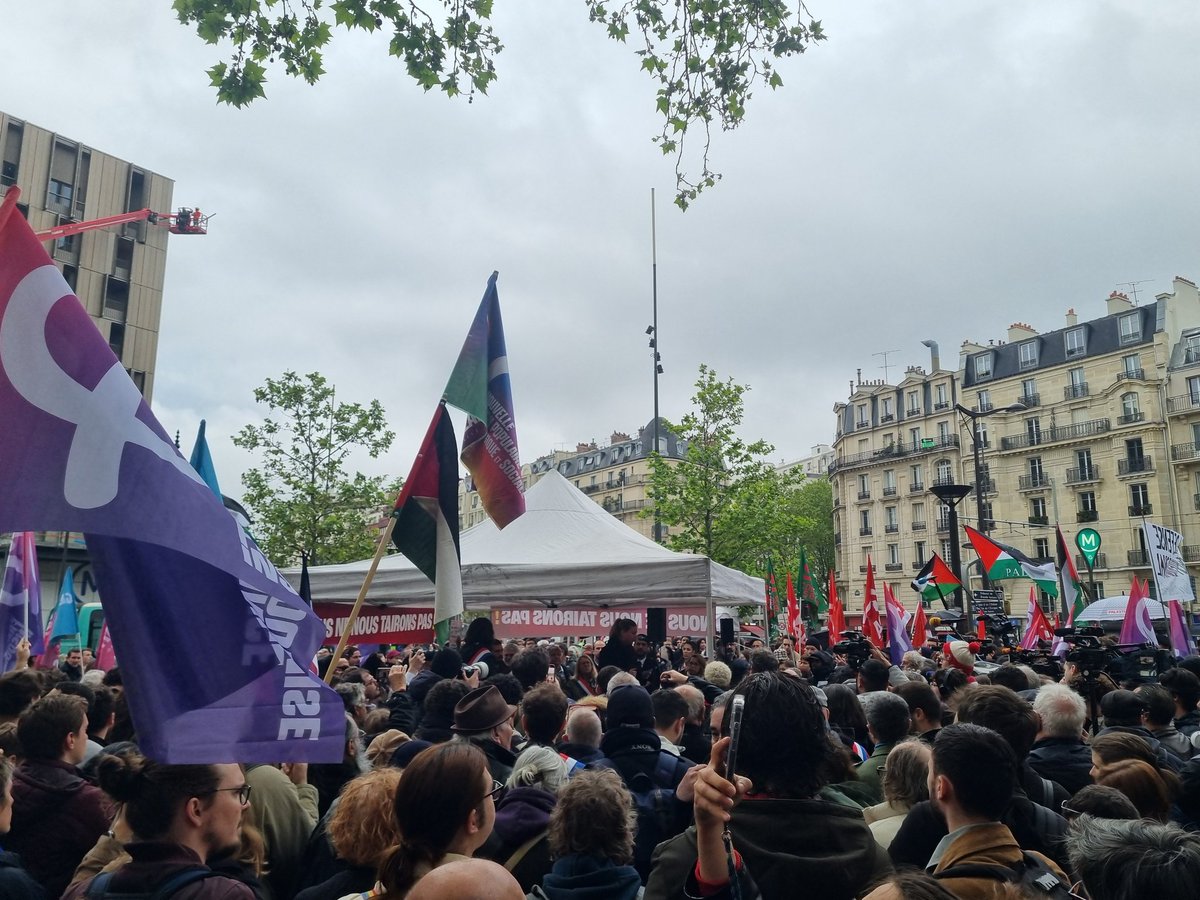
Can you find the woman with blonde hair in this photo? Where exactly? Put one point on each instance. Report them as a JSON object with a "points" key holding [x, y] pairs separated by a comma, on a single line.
{"points": [[519, 839], [361, 829], [905, 783], [583, 683]]}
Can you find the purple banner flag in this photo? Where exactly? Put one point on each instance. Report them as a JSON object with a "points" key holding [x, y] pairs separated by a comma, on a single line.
{"points": [[20, 601], [216, 648]]}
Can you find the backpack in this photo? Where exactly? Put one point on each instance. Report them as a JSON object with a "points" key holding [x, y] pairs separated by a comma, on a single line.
{"points": [[657, 819], [98, 889], [1032, 873]]}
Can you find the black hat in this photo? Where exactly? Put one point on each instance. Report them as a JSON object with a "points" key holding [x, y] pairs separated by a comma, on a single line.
{"points": [[630, 706], [406, 752], [1122, 707], [447, 663]]}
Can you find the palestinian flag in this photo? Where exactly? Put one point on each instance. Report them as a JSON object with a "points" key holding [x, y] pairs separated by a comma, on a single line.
{"points": [[872, 626], [793, 609], [837, 614], [426, 514], [1074, 593], [480, 387], [1001, 561], [772, 603], [935, 580], [809, 607]]}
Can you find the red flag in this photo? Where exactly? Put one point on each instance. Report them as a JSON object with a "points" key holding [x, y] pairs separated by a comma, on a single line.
{"points": [[106, 656], [1037, 628], [920, 632], [981, 630], [837, 614], [793, 615], [872, 627], [50, 658]]}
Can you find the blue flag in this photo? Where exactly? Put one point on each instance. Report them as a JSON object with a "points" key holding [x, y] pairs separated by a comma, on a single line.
{"points": [[21, 592], [66, 614], [202, 462], [217, 648]]}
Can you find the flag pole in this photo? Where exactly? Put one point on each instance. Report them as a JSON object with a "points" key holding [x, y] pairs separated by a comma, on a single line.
{"points": [[384, 539]]}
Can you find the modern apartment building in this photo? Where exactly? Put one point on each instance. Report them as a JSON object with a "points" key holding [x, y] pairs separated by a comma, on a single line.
{"points": [[117, 272], [815, 465], [1093, 424], [616, 476]]}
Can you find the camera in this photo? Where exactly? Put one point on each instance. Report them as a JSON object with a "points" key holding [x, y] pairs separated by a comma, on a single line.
{"points": [[855, 647]]}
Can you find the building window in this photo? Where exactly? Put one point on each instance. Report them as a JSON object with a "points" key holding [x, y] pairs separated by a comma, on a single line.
{"points": [[1037, 510], [888, 414], [916, 475], [1076, 343], [1037, 475], [1087, 501], [70, 276], [889, 481], [1029, 392], [1028, 355], [116, 338], [1131, 327], [864, 486], [943, 472], [1132, 365], [914, 436], [1139, 500], [940, 392], [981, 432], [918, 514], [862, 415], [914, 403], [1193, 386], [892, 520], [943, 432], [1033, 431], [983, 365], [1191, 348], [1129, 407], [919, 551], [864, 521], [945, 554], [984, 399], [1041, 548], [894, 554]]}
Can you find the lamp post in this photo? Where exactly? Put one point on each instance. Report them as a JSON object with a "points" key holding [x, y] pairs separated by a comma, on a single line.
{"points": [[655, 356], [977, 452], [951, 495]]}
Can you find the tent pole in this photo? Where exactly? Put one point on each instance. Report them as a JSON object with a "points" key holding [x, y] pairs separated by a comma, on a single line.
{"points": [[711, 610], [384, 539]]}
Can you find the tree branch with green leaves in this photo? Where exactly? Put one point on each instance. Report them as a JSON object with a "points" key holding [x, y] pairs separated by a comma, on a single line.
{"points": [[304, 502], [706, 56]]}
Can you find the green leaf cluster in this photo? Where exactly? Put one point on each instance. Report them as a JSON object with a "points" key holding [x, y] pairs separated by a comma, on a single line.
{"points": [[725, 500], [303, 500], [705, 56]]}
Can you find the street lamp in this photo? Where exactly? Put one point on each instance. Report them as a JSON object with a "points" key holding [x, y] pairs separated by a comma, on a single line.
{"points": [[951, 495], [977, 452], [656, 357]]}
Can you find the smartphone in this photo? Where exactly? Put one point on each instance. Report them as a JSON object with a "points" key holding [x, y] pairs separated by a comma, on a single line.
{"points": [[734, 729], [551, 675]]}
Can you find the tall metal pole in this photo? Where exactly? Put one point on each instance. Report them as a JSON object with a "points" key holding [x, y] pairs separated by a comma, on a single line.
{"points": [[977, 447], [654, 355]]}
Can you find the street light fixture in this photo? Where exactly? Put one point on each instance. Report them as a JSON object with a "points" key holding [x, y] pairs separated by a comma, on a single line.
{"points": [[977, 453], [951, 495]]}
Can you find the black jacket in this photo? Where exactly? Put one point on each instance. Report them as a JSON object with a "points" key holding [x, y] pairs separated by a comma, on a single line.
{"points": [[15, 882], [617, 654], [1067, 761]]}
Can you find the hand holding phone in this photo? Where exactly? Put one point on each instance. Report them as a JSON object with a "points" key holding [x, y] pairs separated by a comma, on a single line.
{"points": [[737, 707]]}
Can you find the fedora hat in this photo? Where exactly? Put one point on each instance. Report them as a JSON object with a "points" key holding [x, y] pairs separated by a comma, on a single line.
{"points": [[481, 710]]}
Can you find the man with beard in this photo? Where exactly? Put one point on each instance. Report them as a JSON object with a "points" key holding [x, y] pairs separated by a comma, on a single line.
{"points": [[330, 778], [649, 665], [181, 817]]}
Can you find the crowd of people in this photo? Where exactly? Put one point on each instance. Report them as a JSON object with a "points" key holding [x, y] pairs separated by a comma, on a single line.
{"points": [[621, 769]]}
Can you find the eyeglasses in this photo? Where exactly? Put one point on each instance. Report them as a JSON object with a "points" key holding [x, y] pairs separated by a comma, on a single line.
{"points": [[1068, 811], [243, 793], [497, 787]]}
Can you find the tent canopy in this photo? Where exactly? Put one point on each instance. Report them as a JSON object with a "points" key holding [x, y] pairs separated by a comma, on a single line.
{"points": [[565, 549]]}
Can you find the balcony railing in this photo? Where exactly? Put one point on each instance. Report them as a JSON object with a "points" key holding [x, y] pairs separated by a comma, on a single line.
{"points": [[988, 485], [943, 479], [1075, 391], [915, 411], [943, 525], [887, 417], [1033, 482], [1139, 558], [1191, 356], [864, 495], [1130, 418], [1185, 452], [862, 570], [1087, 515], [985, 406], [889, 491], [864, 532], [1191, 553], [918, 526], [925, 445], [1183, 403], [1083, 475], [1039, 520], [1131, 375], [1051, 435], [916, 487], [1134, 466], [942, 404], [894, 567], [917, 565], [1143, 510], [892, 528], [1031, 400], [1100, 563]]}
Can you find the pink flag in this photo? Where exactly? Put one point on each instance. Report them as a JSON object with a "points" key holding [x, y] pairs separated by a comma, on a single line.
{"points": [[106, 656], [1037, 627], [1181, 639], [1137, 628], [898, 640], [50, 658]]}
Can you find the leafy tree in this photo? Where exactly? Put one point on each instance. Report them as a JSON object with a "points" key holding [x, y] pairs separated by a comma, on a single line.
{"points": [[304, 502], [706, 56]]}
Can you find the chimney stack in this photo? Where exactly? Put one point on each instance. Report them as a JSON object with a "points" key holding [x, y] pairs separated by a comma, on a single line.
{"points": [[1072, 319], [1118, 303], [1019, 331], [935, 361]]}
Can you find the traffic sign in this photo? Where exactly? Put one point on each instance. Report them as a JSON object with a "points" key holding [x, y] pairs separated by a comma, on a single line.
{"points": [[989, 602], [1088, 542]]}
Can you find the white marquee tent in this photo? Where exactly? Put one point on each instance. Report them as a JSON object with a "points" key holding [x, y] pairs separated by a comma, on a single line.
{"points": [[564, 551]]}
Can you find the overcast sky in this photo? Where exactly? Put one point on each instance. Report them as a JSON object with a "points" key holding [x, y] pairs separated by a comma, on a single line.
{"points": [[933, 170]]}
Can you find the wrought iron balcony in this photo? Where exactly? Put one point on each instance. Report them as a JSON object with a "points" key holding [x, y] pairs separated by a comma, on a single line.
{"points": [[894, 567], [864, 495], [1134, 466], [1139, 558], [1031, 400], [1143, 510], [1033, 482], [1183, 403], [918, 526], [1083, 475], [1191, 553], [1131, 375], [1087, 515], [1075, 391], [942, 404], [892, 528], [943, 525], [1185, 452], [1039, 520], [916, 487], [1074, 432], [925, 445], [1100, 563], [889, 491], [1130, 418], [864, 532]]}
